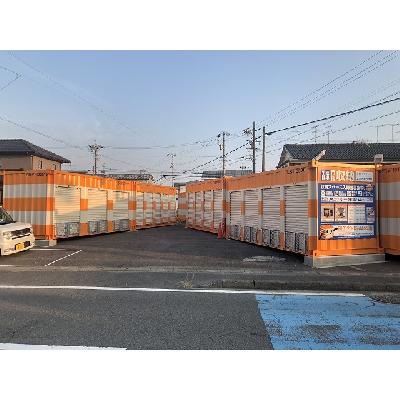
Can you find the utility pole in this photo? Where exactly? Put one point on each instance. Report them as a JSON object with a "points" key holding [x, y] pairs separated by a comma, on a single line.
{"points": [[254, 147], [222, 147], [95, 148], [315, 133], [263, 151], [329, 131], [172, 155]]}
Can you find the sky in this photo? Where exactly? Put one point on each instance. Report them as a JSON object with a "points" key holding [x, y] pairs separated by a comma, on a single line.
{"points": [[169, 101]]}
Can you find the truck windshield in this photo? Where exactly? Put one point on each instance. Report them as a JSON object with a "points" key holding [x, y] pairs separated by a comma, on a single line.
{"points": [[5, 218]]}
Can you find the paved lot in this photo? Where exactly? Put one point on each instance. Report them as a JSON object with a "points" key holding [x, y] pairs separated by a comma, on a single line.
{"points": [[135, 290], [175, 256], [165, 246]]}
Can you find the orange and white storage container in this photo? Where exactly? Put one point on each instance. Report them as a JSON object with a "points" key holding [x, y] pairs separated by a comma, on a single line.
{"points": [[389, 208], [182, 204], [61, 204], [205, 205], [316, 209], [155, 205]]}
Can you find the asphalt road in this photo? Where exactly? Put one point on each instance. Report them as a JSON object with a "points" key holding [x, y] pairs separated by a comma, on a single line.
{"points": [[131, 320], [154, 304]]}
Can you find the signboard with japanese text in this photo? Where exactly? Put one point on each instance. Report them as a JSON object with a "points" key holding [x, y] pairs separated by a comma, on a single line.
{"points": [[347, 204]]}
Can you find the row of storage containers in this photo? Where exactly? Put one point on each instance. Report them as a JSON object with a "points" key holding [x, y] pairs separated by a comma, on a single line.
{"points": [[61, 204], [316, 209], [155, 205], [182, 204], [205, 205]]}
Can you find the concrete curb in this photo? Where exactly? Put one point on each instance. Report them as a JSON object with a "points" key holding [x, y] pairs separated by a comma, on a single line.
{"points": [[332, 286]]}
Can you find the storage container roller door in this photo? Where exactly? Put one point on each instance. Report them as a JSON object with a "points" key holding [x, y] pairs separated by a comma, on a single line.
{"points": [[120, 210], [67, 210], [235, 216], [157, 210], [97, 205], [296, 209], [198, 212], [251, 208], [97, 210], [139, 209], [271, 208], [190, 208], [164, 211], [172, 206], [217, 208], [148, 212], [207, 208]]}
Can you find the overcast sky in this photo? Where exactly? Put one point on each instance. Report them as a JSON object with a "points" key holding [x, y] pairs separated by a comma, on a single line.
{"points": [[145, 99]]}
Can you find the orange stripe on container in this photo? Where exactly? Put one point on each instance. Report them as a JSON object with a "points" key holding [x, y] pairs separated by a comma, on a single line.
{"points": [[312, 208], [226, 205], [281, 240], [260, 207], [211, 184], [110, 226], [391, 243], [43, 231], [389, 174], [110, 204], [132, 205], [84, 229], [282, 207], [242, 207], [389, 208], [27, 178], [84, 204], [342, 246], [282, 176], [29, 203], [348, 246]]}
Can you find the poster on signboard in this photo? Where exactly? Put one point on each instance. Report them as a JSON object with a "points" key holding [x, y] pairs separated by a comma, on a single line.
{"points": [[341, 212], [347, 210], [327, 212]]}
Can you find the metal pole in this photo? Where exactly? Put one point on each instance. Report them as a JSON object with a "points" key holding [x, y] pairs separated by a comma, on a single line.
{"points": [[223, 153], [254, 147], [172, 155], [263, 151], [377, 134], [392, 133]]}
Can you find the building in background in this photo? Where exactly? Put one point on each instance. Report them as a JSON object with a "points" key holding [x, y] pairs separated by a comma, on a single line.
{"points": [[141, 177], [228, 172], [353, 153], [21, 155]]}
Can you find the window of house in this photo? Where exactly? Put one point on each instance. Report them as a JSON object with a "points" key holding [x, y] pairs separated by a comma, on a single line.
{"points": [[40, 164]]}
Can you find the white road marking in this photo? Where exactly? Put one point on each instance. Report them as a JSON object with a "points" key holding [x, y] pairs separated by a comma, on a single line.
{"points": [[139, 289], [62, 258], [22, 346], [46, 249]]}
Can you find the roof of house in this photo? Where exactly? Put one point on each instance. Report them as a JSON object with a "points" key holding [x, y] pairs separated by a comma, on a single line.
{"points": [[228, 172], [23, 147], [346, 152]]}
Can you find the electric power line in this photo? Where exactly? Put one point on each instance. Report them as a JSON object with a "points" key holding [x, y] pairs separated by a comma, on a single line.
{"points": [[308, 123], [16, 77]]}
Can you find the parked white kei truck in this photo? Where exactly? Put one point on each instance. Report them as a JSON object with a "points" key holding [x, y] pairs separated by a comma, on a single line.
{"points": [[14, 236]]}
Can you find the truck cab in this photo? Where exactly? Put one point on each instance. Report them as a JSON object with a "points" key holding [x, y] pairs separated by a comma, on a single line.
{"points": [[14, 236]]}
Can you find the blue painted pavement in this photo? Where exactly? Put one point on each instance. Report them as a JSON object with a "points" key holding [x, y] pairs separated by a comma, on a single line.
{"points": [[330, 322]]}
